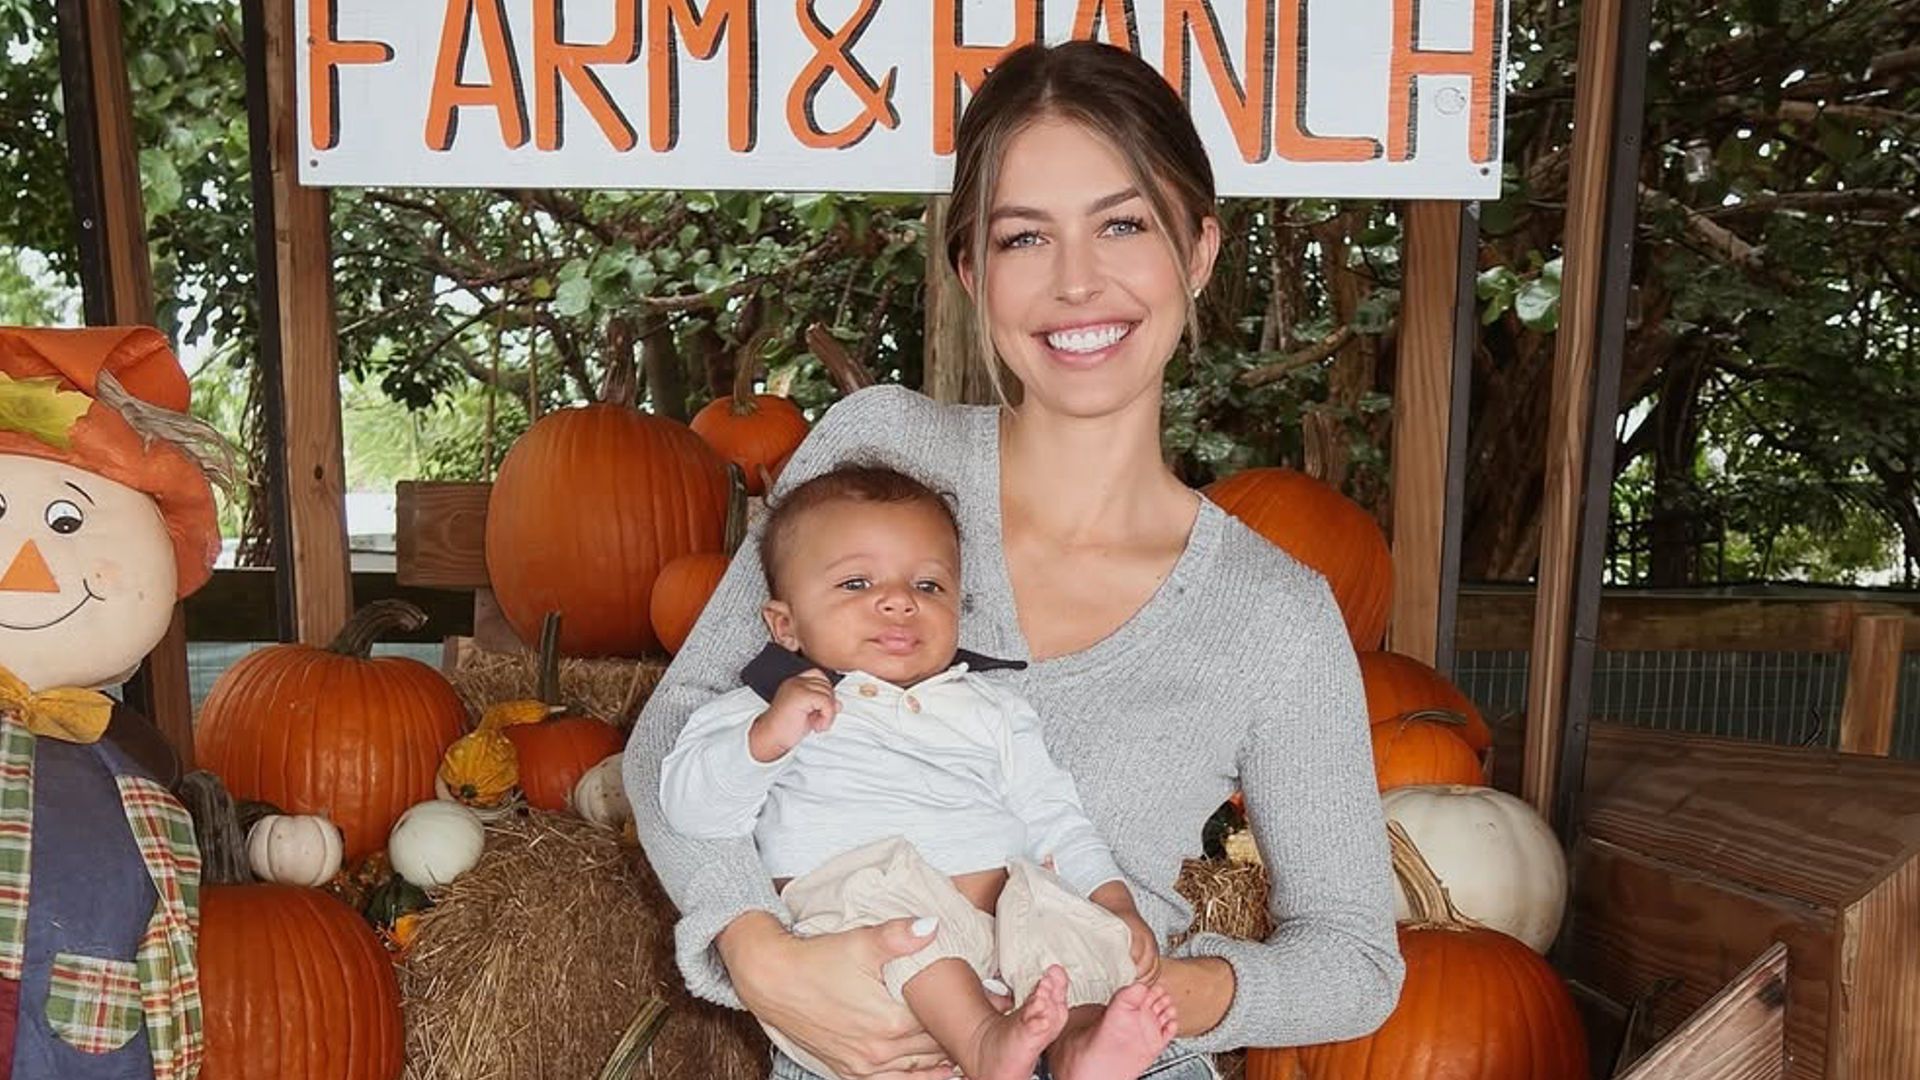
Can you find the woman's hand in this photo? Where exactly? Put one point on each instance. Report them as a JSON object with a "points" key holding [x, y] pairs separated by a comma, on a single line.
{"points": [[825, 994], [1202, 989]]}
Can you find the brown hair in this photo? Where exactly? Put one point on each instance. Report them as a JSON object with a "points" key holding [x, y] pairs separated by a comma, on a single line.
{"points": [[847, 482], [1113, 94]]}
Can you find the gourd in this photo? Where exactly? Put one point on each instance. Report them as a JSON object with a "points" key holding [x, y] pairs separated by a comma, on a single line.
{"points": [[688, 582], [755, 432], [1397, 685], [480, 769], [1423, 748], [555, 753], [589, 504], [435, 842], [1499, 861], [601, 795], [1316, 524], [294, 849], [332, 731]]}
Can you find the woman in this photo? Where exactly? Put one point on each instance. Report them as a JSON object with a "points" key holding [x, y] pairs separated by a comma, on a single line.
{"points": [[1172, 653]]}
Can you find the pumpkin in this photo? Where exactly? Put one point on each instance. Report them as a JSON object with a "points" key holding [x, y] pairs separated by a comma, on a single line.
{"points": [[1423, 748], [1324, 529], [1398, 684], [753, 431], [480, 769], [555, 753], [1500, 862], [687, 583], [601, 795], [294, 984], [330, 731], [394, 898], [435, 842], [589, 504], [294, 849], [1477, 1005]]}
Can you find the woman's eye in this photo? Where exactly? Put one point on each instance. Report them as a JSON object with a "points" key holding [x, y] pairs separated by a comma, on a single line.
{"points": [[1018, 240], [64, 518], [855, 584], [1126, 226]]}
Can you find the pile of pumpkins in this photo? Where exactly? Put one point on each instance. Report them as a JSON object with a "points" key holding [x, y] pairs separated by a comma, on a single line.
{"points": [[1481, 878]]}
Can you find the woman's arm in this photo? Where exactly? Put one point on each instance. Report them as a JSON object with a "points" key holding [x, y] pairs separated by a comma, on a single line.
{"points": [[1331, 969]]}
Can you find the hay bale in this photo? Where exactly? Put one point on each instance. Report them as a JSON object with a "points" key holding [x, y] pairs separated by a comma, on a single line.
{"points": [[532, 965], [613, 690], [1229, 896]]}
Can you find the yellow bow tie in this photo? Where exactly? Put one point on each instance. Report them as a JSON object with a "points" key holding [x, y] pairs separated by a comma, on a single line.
{"points": [[65, 713]]}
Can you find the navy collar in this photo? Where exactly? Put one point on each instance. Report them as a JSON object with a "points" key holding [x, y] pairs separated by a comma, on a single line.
{"points": [[775, 665]]}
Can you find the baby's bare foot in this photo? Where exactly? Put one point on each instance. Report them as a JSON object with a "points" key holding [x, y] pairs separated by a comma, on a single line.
{"points": [[1009, 1046], [1138, 1023]]}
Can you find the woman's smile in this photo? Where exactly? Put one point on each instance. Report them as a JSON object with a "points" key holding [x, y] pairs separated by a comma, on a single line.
{"points": [[1085, 345]]}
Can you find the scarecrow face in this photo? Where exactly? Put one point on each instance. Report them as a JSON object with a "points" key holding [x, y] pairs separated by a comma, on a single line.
{"points": [[87, 574]]}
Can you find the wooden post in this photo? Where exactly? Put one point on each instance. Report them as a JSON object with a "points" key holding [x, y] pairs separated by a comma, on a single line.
{"points": [[301, 357], [1739, 1035], [1873, 683], [948, 370], [118, 276], [1431, 385]]}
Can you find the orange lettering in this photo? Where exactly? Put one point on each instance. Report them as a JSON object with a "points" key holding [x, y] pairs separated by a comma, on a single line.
{"points": [[1410, 61], [832, 55], [954, 61], [325, 58], [1246, 108], [1116, 16], [501, 92], [1291, 139], [704, 33], [555, 60]]}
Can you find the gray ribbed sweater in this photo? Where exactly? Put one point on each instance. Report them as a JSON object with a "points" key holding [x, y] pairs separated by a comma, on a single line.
{"points": [[1238, 672]]}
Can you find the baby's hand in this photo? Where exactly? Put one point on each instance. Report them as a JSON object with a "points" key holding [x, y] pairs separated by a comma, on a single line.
{"points": [[1146, 947], [803, 704]]}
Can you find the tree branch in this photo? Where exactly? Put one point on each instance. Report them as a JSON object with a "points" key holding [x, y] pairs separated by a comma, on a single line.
{"points": [[1310, 355]]}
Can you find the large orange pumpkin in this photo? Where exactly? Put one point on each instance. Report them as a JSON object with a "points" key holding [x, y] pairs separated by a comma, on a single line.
{"points": [[754, 431], [1324, 529], [685, 585], [1423, 748], [1397, 685], [295, 986], [590, 503], [1477, 1005], [330, 731]]}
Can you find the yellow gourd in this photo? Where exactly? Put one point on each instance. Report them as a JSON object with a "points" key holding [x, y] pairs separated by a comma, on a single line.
{"points": [[506, 714], [480, 768]]}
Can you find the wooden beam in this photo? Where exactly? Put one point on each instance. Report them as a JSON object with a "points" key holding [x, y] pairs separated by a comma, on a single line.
{"points": [[440, 532], [1424, 396], [1873, 684], [1638, 620], [119, 283], [297, 284], [240, 605], [1739, 1035]]}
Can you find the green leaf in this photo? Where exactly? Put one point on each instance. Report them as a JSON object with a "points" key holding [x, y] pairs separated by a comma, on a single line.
{"points": [[574, 297], [1538, 305]]}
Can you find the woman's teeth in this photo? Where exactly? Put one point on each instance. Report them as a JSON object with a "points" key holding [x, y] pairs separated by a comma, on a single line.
{"points": [[1088, 339]]}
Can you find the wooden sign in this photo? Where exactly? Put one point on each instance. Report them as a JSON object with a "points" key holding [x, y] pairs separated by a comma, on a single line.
{"points": [[1382, 98]]}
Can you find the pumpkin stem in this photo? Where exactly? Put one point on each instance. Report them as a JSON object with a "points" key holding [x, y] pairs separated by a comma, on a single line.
{"points": [[736, 533], [1434, 716], [216, 825], [547, 685], [1428, 899], [746, 369], [847, 373], [373, 622], [622, 385]]}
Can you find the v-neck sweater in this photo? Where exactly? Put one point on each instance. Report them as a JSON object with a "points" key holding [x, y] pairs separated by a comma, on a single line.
{"points": [[1236, 673]]}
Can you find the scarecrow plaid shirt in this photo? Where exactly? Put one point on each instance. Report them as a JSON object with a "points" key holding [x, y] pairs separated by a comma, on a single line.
{"points": [[93, 1002]]}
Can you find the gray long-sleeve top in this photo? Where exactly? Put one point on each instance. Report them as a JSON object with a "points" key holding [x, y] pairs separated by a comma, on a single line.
{"points": [[1237, 673]]}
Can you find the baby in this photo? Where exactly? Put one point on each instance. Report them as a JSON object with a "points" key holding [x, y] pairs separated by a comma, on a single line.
{"points": [[883, 777]]}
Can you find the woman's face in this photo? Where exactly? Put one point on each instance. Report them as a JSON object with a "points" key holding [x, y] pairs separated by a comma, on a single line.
{"points": [[1084, 296]]}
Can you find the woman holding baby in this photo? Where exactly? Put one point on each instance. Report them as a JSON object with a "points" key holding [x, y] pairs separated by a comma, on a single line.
{"points": [[1153, 653]]}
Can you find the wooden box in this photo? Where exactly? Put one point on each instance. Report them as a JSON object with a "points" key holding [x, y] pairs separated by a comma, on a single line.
{"points": [[1696, 853]]}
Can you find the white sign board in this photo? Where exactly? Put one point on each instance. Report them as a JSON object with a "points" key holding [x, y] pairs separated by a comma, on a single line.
{"points": [[1361, 98]]}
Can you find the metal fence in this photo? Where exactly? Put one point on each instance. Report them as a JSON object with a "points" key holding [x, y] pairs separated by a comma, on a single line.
{"points": [[1792, 699]]}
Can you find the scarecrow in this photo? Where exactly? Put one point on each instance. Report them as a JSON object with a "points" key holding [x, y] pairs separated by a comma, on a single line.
{"points": [[106, 519]]}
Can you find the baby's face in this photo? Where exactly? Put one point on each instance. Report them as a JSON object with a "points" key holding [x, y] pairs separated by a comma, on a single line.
{"points": [[873, 587]]}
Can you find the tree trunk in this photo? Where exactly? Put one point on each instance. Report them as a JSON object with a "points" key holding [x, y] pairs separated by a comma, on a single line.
{"points": [[666, 381], [1676, 449]]}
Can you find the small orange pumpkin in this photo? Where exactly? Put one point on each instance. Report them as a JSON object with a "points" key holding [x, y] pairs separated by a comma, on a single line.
{"points": [[687, 583], [1423, 748], [1477, 1005], [1316, 524], [1397, 685], [753, 431], [555, 753]]}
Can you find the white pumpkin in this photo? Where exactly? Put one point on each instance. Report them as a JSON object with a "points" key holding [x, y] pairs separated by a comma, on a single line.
{"points": [[1498, 859], [435, 842], [601, 795], [294, 849]]}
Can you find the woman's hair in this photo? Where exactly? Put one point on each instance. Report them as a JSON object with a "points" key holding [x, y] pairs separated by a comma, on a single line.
{"points": [[1113, 94], [846, 482]]}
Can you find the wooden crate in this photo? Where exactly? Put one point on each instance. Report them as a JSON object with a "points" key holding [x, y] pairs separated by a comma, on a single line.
{"points": [[1697, 853]]}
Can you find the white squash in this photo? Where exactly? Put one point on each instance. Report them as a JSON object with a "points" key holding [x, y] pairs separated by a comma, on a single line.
{"points": [[435, 842], [601, 795], [1498, 859], [294, 849]]}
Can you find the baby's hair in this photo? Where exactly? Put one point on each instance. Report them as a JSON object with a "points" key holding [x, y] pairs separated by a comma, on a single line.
{"points": [[846, 482]]}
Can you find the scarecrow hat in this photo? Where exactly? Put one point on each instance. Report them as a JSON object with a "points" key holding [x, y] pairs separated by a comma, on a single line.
{"points": [[113, 401]]}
